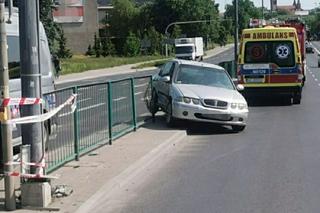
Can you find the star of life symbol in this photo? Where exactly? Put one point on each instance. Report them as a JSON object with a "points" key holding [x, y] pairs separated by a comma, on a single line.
{"points": [[283, 51]]}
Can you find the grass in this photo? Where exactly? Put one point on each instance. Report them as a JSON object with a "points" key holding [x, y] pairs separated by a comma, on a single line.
{"points": [[79, 63]]}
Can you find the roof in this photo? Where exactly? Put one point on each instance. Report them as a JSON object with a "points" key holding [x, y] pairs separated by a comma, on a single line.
{"points": [[286, 7], [196, 63], [269, 29], [102, 3]]}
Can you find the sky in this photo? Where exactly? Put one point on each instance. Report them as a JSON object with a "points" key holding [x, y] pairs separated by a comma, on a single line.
{"points": [[305, 4]]}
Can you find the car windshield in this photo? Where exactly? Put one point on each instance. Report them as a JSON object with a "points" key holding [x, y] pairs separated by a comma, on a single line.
{"points": [[278, 52], [184, 49], [198, 75]]}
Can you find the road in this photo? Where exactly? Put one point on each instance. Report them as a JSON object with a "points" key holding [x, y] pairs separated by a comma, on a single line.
{"points": [[273, 166], [224, 56], [93, 106]]}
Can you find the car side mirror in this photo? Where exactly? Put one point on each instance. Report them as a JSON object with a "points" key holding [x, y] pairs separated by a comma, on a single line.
{"points": [[240, 87], [165, 78], [235, 81]]}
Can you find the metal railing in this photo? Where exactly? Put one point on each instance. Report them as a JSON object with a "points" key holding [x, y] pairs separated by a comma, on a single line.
{"points": [[105, 111]]}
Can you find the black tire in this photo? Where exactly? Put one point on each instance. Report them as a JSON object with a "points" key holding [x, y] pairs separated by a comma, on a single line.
{"points": [[153, 107], [318, 65], [238, 128], [170, 120], [296, 99]]}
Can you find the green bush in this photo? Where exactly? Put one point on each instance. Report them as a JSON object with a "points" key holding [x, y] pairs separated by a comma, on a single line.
{"points": [[132, 45]]}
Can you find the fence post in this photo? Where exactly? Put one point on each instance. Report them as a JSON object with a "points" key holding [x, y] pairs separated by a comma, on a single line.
{"points": [[110, 111], [76, 126], [134, 111]]}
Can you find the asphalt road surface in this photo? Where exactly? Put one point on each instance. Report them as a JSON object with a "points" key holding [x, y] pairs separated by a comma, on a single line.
{"points": [[224, 56], [271, 167]]}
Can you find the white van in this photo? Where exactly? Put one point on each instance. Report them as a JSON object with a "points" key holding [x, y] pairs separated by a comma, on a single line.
{"points": [[46, 66]]}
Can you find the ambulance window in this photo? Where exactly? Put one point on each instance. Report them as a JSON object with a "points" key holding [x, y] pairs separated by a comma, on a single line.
{"points": [[278, 52], [13, 56]]}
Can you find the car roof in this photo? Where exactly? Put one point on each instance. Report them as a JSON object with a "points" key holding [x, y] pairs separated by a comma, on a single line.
{"points": [[196, 63]]}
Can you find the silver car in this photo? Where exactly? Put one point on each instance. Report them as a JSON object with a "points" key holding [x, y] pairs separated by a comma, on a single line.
{"points": [[200, 92]]}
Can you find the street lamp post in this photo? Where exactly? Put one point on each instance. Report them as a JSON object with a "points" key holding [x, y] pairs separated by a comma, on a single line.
{"points": [[236, 29]]}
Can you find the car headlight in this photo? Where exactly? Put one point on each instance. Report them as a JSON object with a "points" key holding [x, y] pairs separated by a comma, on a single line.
{"points": [[195, 101], [239, 106], [187, 100], [233, 105]]}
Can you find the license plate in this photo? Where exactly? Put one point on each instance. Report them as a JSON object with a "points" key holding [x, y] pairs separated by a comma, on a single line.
{"points": [[254, 80], [255, 66]]}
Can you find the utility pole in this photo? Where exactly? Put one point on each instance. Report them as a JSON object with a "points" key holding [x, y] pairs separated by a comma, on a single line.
{"points": [[30, 75], [236, 32], [262, 3], [6, 131]]}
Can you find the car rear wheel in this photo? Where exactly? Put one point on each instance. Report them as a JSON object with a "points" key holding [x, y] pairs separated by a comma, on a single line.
{"points": [[237, 128]]}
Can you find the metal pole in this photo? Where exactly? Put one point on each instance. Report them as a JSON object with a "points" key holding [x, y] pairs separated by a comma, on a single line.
{"points": [[6, 131], [30, 75], [236, 29], [262, 9]]}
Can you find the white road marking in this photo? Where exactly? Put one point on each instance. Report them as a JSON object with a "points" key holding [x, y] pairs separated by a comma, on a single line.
{"points": [[83, 100], [82, 109], [138, 93], [313, 75], [140, 85], [119, 99], [316, 79]]}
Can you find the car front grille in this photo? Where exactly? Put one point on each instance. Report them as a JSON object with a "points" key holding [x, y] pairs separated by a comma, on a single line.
{"points": [[215, 103], [217, 117]]}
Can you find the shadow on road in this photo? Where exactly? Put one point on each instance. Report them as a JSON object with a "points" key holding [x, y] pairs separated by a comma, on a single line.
{"points": [[191, 128], [194, 128]]}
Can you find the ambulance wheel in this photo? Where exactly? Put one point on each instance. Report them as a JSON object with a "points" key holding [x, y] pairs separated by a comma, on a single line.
{"points": [[296, 99]]}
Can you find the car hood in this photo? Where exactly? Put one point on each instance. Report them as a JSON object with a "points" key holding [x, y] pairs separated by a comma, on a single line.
{"points": [[210, 92]]}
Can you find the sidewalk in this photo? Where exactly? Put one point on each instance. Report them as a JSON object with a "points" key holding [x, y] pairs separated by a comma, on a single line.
{"points": [[124, 68], [110, 167]]}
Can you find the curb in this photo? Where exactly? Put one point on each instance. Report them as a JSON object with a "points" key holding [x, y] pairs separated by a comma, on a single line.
{"points": [[131, 172]]}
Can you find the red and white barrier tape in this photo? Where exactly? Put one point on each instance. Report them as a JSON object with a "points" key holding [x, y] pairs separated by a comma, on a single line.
{"points": [[30, 176], [20, 101], [43, 117], [41, 164]]}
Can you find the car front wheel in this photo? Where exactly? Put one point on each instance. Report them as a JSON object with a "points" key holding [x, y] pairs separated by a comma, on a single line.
{"points": [[170, 120], [237, 128]]}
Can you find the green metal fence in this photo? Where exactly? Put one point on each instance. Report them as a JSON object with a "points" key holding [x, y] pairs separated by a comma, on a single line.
{"points": [[105, 111]]}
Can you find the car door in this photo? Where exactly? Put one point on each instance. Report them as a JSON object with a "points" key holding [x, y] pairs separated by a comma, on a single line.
{"points": [[164, 82]]}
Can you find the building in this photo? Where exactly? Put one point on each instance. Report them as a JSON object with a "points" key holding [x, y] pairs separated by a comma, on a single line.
{"points": [[79, 20], [296, 6]]}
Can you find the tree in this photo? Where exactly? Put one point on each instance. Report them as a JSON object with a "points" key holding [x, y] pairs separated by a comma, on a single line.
{"points": [[167, 11], [107, 47], [122, 21], [63, 51], [246, 10], [90, 51], [97, 46], [52, 29], [132, 45]]}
